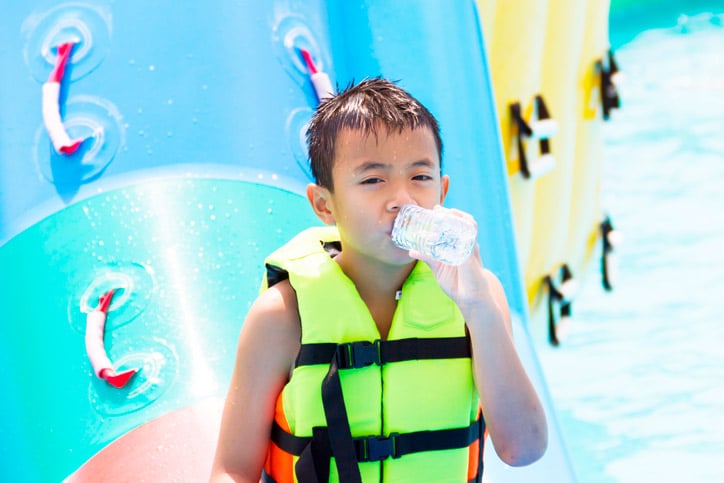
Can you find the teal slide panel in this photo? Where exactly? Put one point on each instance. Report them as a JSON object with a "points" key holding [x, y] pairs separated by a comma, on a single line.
{"points": [[185, 257]]}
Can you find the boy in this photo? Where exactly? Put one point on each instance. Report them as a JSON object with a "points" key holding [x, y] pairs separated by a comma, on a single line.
{"points": [[359, 362]]}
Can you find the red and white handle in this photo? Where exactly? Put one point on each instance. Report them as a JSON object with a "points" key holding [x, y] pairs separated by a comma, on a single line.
{"points": [[51, 104], [94, 332], [320, 80]]}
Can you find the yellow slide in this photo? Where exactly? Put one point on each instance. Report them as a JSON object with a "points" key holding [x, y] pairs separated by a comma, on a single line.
{"points": [[550, 48], [515, 34], [586, 213], [565, 28], [486, 15]]}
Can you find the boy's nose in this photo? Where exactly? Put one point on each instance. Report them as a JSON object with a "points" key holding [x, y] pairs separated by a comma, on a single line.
{"points": [[401, 198]]}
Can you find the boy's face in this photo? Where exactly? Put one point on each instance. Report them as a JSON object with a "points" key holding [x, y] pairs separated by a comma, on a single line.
{"points": [[373, 177]]}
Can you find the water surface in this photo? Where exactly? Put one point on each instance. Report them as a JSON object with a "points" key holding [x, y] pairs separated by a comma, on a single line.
{"points": [[639, 384]]}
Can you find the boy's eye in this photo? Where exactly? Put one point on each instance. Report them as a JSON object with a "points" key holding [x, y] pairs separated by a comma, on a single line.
{"points": [[371, 181], [422, 177]]}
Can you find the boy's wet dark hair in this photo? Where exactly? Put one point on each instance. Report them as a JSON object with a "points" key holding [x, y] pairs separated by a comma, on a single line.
{"points": [[364, 106]]}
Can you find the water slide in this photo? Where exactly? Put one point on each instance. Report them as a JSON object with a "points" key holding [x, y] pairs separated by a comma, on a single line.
{"points": [[547, 68], [151, 156], [515, 49]]}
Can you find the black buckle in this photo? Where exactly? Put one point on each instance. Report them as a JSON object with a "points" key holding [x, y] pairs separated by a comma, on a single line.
{"points": [[377, 448], [358, 354]]}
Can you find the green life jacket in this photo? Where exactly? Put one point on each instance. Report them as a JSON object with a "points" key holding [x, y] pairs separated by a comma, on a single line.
{"points": [[358, 408]]}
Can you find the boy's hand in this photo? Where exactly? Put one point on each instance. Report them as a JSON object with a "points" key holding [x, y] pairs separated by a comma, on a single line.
{"points": [[467, 284]]}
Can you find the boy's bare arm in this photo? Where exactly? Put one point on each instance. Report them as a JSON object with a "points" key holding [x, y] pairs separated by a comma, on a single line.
{"points": [[268, 344], [513, 413]]}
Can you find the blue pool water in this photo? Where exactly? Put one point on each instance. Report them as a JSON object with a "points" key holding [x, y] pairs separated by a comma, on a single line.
{"points": [[638, 384]]}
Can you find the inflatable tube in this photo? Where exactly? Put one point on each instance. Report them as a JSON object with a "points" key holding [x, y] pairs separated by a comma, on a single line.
{"points": [[515, 53], [562, 49], [586, 213], [178, 446], [192, 169]]}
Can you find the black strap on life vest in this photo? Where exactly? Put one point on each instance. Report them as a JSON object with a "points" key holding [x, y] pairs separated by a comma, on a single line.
{"points": [[375, 448], [396, 445], [524, 130], [336, 438], [276, 274], [340, 434], [355, 355]]}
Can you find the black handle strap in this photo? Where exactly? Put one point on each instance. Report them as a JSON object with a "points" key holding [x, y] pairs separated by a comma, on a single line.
{"points": [[524, 130]]}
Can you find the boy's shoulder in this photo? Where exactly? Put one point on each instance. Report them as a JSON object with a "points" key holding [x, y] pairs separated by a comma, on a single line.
{"points": [[279, 301], [275, 315]]}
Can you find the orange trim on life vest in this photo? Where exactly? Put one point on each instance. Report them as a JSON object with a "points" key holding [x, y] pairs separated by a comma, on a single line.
{"points": [[474, 450], [280, 464], [473, 460]]}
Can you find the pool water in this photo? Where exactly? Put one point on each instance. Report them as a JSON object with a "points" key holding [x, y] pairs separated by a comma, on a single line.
{"points": [[638, 383]]}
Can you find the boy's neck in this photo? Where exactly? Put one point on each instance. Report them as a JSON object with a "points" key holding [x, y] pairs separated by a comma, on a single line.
{"points": [[377, 285], [374, 280]]}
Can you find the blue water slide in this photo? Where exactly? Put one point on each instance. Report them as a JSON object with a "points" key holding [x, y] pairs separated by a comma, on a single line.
{"points": [[191, 170]]}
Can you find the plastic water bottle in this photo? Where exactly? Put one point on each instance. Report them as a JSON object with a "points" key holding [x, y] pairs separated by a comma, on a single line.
{"points": [[437, 233]]}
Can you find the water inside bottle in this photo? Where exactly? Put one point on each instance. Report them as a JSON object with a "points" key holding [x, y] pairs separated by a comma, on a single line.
{"points": [[452, 247], [437, 233]]}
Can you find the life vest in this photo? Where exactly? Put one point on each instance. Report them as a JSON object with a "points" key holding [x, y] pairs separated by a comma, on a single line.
{"points": [[358, 408]]}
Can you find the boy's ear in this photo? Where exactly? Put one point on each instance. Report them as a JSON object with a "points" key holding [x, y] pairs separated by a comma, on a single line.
{"points": [[319, 198], [444, 185]]}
